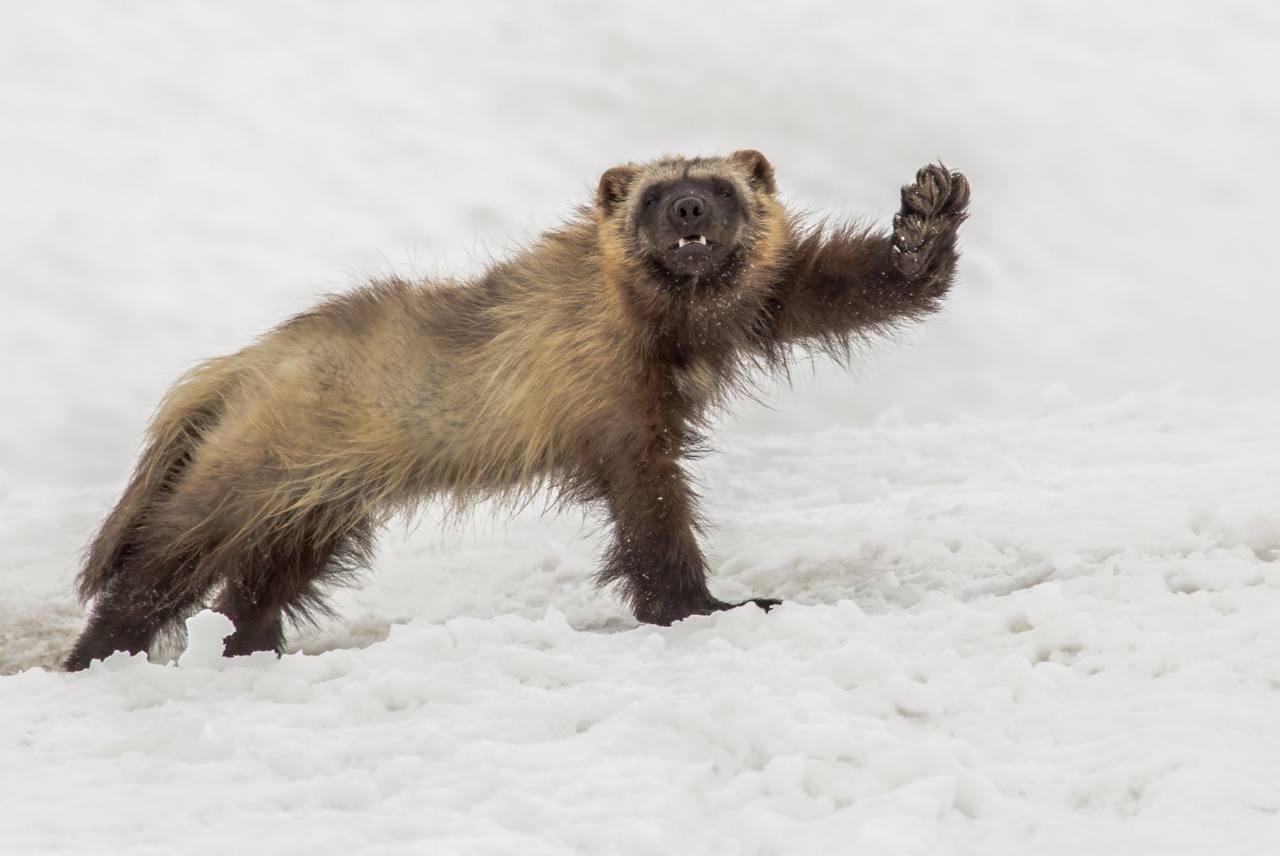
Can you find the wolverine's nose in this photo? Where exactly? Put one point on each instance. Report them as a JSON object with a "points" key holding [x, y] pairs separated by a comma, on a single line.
{"points": [[688, 210]]}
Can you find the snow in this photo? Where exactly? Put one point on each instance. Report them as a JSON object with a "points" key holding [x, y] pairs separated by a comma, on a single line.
{"points": [[1029, 551]]}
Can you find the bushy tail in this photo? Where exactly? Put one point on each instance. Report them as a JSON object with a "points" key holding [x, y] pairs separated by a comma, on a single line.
{"points": [[186, 415]]}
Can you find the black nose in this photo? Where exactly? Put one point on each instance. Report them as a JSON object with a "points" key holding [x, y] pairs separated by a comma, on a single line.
{"points": [[688, 210]]}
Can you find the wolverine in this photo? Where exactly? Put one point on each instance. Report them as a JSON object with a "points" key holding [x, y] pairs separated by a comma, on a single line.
{"points": [[587, 364]]}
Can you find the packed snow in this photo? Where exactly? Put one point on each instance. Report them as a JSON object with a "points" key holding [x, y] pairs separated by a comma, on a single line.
{"points": [[1030, 551]]}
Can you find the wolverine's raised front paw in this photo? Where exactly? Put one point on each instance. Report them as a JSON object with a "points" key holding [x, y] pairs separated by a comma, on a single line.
{"points": [[924, 231]]}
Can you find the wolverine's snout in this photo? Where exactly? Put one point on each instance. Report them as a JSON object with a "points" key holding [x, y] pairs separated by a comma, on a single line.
{"points": [[688, 211]]}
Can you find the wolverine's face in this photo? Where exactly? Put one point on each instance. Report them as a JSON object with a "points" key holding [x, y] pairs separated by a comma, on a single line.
{"points": [[688, 218], [689, 225]]}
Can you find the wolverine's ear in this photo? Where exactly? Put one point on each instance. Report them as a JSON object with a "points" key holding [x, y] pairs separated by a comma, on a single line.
{"points": [[757, 167], [613, 186]]}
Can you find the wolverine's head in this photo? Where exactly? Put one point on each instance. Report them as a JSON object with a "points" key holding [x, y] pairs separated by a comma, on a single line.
{"points": [[690, 219]]}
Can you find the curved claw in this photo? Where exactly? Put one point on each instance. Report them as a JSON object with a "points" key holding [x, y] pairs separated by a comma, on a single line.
{"points": [[959, 199], [929, 193]]}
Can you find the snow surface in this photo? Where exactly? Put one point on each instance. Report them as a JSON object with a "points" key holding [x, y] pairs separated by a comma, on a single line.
{"points": [[1031, 552]]}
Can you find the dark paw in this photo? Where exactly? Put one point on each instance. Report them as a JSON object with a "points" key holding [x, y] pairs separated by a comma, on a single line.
{"points": [[668, 613], [924, 231]]}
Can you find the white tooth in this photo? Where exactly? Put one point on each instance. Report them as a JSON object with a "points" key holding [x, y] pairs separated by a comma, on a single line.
{"points": [[682, 243], [702, 239]]}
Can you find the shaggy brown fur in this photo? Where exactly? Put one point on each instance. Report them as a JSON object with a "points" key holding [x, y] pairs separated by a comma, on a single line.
{"points": [[586, 363]]}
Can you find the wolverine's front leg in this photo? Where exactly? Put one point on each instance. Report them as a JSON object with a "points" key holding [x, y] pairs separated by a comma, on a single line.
{"points": [[655, 554], [849, 280]]}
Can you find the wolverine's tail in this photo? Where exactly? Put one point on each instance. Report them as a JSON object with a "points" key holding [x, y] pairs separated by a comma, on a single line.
{"points": [[186, 415]]}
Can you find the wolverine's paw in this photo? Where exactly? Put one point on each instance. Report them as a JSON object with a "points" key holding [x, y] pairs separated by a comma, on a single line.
{"points": [[924, 231], [765, 603], [669, 613]]}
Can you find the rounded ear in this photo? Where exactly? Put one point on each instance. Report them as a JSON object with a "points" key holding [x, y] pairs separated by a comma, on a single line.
{"points": [[613, 186], [757, 167]]}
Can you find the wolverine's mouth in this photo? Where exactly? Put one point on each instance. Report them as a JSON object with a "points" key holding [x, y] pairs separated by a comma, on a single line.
{"points": [[692, 239]]}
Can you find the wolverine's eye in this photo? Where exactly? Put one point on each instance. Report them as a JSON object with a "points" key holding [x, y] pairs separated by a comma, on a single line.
{"points": [[724, 194], [650, 201]]}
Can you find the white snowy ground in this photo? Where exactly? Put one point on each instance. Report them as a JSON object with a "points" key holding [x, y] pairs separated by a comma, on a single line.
{"points": [[1031, 553]]}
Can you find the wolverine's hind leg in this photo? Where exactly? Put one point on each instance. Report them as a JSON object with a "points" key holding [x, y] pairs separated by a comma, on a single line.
{"points": [[128, 614], [285, 576], [258, 621], [155, 578]]}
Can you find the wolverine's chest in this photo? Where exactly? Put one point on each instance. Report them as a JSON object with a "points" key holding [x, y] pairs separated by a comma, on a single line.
{"points": [[696, 381]]}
